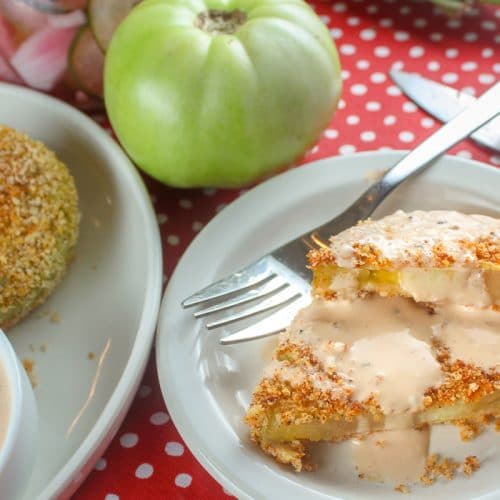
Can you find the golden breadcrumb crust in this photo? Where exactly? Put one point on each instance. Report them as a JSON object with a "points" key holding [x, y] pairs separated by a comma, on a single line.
{"points": [[368, 256]]}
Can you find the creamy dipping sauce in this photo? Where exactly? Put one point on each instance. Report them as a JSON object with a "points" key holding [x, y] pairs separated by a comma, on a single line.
{"points": [[4, 404], [396, 456], [376, 343]]}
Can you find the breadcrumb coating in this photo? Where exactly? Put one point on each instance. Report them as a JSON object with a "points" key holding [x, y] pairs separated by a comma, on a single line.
{"points": [[38, 223], [445, 239]]}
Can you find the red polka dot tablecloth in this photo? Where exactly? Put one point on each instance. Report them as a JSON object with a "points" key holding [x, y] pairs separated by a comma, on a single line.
{"points": [[148, 459]]}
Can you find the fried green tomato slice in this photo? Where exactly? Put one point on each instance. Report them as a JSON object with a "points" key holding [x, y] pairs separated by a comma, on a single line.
{"points": [[39, 220]]}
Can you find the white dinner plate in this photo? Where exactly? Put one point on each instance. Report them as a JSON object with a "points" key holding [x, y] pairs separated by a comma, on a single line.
{"points": [[105, 308], [207, 387]]}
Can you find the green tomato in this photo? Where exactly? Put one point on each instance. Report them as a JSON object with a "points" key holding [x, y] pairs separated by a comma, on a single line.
{"points": [[220, 92]]}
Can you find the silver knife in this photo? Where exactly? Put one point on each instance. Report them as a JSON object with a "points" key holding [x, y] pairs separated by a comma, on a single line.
{"points": [[444, 103]]}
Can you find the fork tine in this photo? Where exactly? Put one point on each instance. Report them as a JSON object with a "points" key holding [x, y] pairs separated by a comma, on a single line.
{"points": [[251, 275], [273, 285], [280, 298], [275, 323]]}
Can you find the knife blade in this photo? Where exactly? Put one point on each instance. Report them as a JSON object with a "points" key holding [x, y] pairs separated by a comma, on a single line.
{"points": [[444, 103]]}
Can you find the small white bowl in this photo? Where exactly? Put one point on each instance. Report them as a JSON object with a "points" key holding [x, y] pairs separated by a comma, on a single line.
{"points": [[17, 448]]}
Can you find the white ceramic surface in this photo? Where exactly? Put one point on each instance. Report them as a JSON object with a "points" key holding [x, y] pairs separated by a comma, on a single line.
{"points": [[107, 303], [207, 387], [18, 448]]}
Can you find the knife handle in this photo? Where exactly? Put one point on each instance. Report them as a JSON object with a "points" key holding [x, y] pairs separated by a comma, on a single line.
{"points": [[470, 119]]}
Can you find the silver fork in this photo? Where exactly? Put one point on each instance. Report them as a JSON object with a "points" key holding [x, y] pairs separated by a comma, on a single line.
{"points": [[280, 280]]}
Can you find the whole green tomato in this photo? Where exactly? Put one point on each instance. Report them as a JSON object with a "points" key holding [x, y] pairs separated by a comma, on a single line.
{"points": [[220, 92]]}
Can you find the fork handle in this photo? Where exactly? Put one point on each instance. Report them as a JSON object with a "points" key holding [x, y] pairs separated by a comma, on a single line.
{"points": [[470, 119]]}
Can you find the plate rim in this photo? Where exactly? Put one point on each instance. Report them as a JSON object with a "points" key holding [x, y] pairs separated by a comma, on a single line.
{"points": [[172, 402], [76, 469]]}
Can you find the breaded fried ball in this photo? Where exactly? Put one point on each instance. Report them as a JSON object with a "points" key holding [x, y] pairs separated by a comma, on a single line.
{"points": [[38, 223]]}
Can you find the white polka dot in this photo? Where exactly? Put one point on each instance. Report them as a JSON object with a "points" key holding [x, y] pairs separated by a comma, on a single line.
{"points": [[469, 90], [362, 64], [346, 149], [197, 226], [406, 136], [449, 77], [496, 67], [341, 104], [489, 25], [454, 23], [390, 120], [420, 22], [331, 133], [144, 391], [144, 471], [497, 39], [345, 74], [173, 239], [470, 37], [353, 21], [416, 51], [372, 9], [174, 449], [101, 464], [183, 480], [393, 90], [347, 49], [469, 66], [485, 78], [378, 77], [397, 65], [111, 496], [325, 19], [220, 207], [358, 89], [185, 203], [382, 51], [401, 36], [159, 418], [405, 10], [209, 191], [433, 66], [427, 122], [367, 34], [336, 33], [487, 52], [129, 440], [373, 106], [352, 120], [464, 154], [495, 159], [161, 218], [436, 36], [385, 22], [409, 107], [451, 53], [313, 150], [339, 7], [368, 136]]}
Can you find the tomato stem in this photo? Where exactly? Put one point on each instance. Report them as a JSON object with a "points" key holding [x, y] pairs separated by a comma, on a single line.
{"points": [[217, 22]]}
